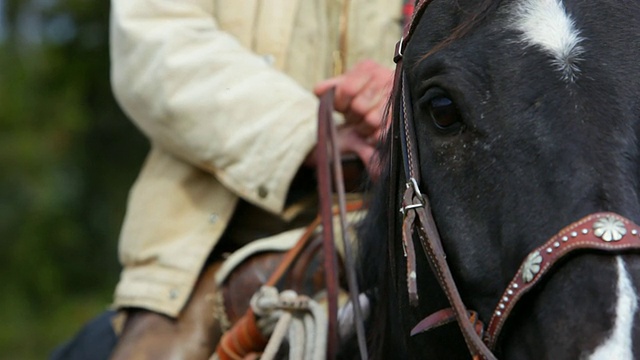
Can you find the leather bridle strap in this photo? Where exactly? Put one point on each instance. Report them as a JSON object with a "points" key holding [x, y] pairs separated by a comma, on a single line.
{"points": [[432, 246], [416, 209], [606, 232], [328, 153], [410, 27]]}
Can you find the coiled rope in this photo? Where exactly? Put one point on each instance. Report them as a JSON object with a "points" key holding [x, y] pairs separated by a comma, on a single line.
{"points": [[296, 319]]}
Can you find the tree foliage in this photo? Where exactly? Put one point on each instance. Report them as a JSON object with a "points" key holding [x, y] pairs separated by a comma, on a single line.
{"points": [[67, 158]]}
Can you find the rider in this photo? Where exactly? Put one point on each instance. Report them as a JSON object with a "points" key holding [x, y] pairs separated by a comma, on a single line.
{"points": [[226, 91]]}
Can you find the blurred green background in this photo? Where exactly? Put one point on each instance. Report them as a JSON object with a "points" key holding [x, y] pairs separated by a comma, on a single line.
{"points": [[67, 158]]}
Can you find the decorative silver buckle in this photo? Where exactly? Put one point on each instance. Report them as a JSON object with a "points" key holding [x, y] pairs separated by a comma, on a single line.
{"points": [[398, 55], [413, 183]]}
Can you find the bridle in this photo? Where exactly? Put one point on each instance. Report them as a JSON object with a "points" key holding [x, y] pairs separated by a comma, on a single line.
{"points": [[607, 232]]}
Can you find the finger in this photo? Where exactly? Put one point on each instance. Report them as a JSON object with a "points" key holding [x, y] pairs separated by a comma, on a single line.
{"points": [[323, 86], [347, 89], [356, 121], [364, 129], [350, 142], [374, 95], [375, 138], [375, 118], [355, 80], [364, 101], [368, 156], [366, 153], [371, 123]]}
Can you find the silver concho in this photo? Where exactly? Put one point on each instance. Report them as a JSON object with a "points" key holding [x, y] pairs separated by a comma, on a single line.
{"points": [[531, 266], [609, 228]]}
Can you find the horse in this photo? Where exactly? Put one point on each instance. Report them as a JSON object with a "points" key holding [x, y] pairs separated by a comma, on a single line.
{"points": [[513, 122]]}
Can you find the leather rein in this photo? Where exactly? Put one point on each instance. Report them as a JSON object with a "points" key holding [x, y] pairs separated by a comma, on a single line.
{"points": [[328, 158], [607, 232]]}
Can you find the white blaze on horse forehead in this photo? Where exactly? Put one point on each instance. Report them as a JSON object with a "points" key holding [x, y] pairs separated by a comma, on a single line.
{"points": [[619, 344], [547, 25]]}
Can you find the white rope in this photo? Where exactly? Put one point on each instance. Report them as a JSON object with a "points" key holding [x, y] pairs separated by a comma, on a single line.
{"points": [[310, 333], [297, 338], [320, 343], [277, 337], [299, 320], [346, 316]]}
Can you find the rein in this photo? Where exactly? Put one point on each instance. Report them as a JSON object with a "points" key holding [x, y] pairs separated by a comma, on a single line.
{"points": [[607, 232], [328, 154]]}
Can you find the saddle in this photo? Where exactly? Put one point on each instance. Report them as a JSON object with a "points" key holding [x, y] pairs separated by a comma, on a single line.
{"points": [[292, 262]]}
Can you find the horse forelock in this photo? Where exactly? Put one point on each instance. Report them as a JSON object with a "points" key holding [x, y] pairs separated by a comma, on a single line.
{"points": [[546, 24], [471, 14]]}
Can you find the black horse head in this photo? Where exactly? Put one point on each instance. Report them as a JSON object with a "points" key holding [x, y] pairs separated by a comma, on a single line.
{"points": [[527, 119]]}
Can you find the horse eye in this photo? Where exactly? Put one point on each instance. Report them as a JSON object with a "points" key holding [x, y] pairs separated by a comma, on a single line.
{"points": [[443, 112]]}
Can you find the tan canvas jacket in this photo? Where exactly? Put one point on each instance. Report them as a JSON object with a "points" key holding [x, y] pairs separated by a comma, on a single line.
{"points": [[222, 90]]}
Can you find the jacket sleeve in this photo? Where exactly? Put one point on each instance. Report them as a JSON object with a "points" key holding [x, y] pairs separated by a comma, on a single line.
{"points": [[196, 92]]}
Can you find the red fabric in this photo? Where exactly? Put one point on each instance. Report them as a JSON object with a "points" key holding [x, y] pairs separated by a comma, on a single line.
{"points": [[407, 12], [242, 340]]}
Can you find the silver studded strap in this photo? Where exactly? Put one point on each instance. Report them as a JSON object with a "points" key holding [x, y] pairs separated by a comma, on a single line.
{"points": [[608, 232]]}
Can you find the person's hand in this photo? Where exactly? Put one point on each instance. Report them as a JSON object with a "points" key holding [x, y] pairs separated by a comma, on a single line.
{"points": [[351, 142], [361, 95]]}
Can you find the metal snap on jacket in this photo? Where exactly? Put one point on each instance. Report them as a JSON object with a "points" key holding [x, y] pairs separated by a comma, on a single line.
{"points": [[263, 191], [213, 218], [173, 294]]}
